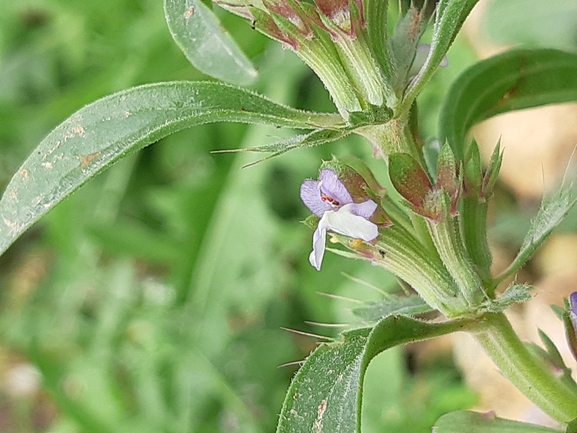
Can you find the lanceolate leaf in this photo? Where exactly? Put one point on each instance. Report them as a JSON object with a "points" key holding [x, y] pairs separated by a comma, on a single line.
{"points": [[511, 81], [205, 43], [311, 139], [391, 305], [474, 422], [550, 215], [106, 130], [325, 395]]}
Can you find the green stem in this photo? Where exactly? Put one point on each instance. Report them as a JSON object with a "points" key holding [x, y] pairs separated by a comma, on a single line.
{"points": [[474, 223], [395, 136], [446, 236], [527, 372]]}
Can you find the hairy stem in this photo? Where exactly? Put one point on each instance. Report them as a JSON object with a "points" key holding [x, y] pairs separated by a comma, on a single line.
{"points": [[527, 372]]}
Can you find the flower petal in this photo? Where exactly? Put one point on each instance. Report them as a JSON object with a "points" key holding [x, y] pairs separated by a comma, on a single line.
{"points": [[311, 197], [319, 241], [365, 209], [347, 223], [332, 187], [573, 302]]}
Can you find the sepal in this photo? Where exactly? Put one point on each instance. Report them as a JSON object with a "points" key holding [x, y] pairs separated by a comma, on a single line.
{"points": [[411, 181]]}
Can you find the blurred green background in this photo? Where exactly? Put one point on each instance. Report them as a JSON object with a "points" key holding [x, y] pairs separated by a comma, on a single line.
{"points": [[152, 300]]}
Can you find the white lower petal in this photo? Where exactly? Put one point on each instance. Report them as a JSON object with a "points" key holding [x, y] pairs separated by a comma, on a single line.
{"points": [[344, 222], [347, 223], [319, 241]]}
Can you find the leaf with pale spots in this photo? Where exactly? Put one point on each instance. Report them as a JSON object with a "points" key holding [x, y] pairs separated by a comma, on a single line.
{"points": [[325, 396], [101, 133]]}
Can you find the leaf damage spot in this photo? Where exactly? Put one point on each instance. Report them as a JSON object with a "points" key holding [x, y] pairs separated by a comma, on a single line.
{"points": [[47, 165], [24, 173], [88, 159], [12, 226], [318, 424], [189, 13], [78, 130]]}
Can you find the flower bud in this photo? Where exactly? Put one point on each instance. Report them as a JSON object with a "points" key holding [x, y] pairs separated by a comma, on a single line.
{"points": [[412, 182]]}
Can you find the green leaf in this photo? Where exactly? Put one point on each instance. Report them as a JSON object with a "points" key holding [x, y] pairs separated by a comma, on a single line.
{"points": [[450, 16], [325, 395], [474, 422], [392, 305], [550, 215], [572, 427], [311, 139], [376, 12], [553, 353], [101, 133], [404, 43], [205, 43], [510, 81], [515, 293]]}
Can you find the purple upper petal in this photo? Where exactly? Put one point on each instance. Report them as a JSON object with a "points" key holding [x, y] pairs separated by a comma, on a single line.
{"points": [[333, 188], [365, 209], [311, 197], [573, 302]]}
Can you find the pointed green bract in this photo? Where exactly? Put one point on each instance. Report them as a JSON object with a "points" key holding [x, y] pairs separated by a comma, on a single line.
{"points": [[515, 294], [101, 133], [450, 16], [550, 215], [404, 44], [478, 186], [205, 43], [311, 139], [392, 305]]}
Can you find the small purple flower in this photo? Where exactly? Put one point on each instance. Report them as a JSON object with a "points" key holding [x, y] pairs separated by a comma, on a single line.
{"points": [[573, 302], [573, 307], [571, 324], [329, 199]]}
